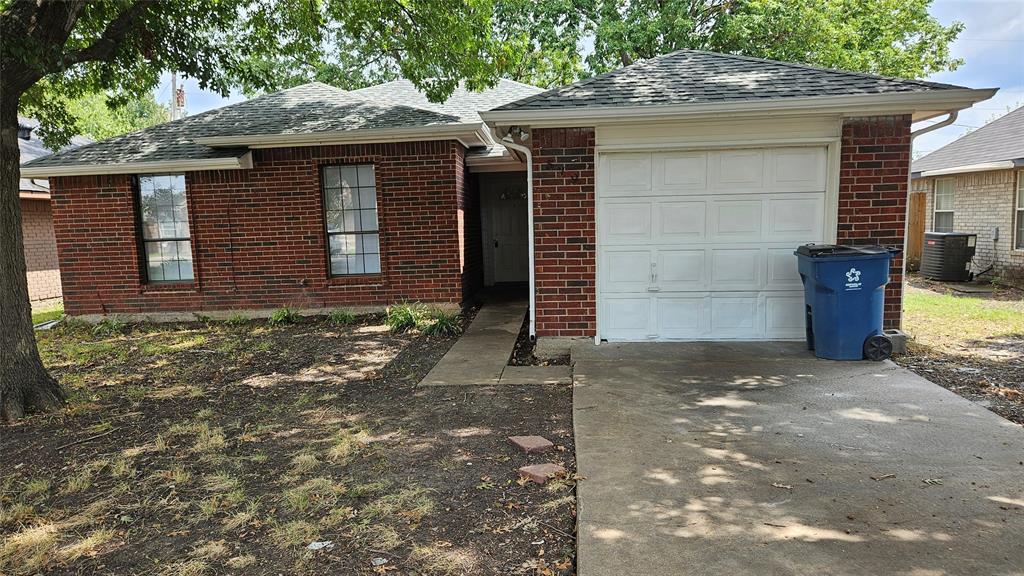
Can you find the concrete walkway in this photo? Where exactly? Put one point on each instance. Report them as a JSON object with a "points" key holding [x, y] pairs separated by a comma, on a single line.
{"points": [[760, 459]]}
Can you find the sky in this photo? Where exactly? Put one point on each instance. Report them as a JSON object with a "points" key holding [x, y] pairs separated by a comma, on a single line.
{"points": [[991, 45]]}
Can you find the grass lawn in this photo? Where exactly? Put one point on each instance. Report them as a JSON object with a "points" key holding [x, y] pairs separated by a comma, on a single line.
{"points": [[228, 448], [961, 323], [48, 313], [971, 345]]}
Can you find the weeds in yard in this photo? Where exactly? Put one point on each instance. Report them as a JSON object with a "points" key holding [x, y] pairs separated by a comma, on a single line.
{"points": [[404, 317], [211, 550], [86, 546], [410, 503], [345, 444], [377, 536], [440, 323], [77, 482], [303, 463], [341, 317], [193, 567], [293, 534], [35, 487], [237, 319], [317, 494], [449, 562], [220, 482], [283, 316], [240, 562], [27, 551], [109, 326], [242, 517]]}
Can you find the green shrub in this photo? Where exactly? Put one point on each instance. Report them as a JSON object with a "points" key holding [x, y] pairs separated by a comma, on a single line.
{"points": [[341, 317], [109, 326], [283, 316], [404, 316], [440, 323], [237, 319]]}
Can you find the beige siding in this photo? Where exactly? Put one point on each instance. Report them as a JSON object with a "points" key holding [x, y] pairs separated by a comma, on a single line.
{"points": [[40, 250], [982, 202]]}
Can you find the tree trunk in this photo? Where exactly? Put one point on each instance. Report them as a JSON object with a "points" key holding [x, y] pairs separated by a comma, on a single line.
{"points": [[25, 385]]}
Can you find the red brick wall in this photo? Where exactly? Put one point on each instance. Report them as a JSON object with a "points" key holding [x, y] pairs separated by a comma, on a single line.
{"points": [[564, 231], [40, 249], [258, 235], [875, 164]]}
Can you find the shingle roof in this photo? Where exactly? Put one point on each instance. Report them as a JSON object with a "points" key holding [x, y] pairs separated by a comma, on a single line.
{"points": [[305, 109], [463, 103], [1001, 139], [696, 77], [33, 148]]}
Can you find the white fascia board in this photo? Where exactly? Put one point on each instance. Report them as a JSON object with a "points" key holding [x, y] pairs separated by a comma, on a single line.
{"points": [[853, 105], [243, 162], [467, 134], [983, 167]]}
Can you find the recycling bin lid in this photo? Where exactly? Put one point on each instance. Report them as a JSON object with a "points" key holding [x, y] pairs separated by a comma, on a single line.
{"points": [[841, 251]]}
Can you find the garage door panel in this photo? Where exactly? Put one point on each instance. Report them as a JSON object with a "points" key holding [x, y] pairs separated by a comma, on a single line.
{"points": [[735, 220], [735, 268], [739, 170], [626, 174], [794, 218], [681, 221], [782, 270], [682, 172], [784, 316], [798, 169], [680, 270], [626, 270], [682, 317], [736, 316], [626, 222], [628, 318]]}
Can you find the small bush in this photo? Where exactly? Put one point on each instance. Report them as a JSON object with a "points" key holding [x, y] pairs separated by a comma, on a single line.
{"points": [[441, 323], [283, 316], [404, 317], [109, 326], [341, 318]]}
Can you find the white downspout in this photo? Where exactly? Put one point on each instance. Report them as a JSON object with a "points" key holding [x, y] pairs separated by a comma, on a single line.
{"points": [[506, 141]]}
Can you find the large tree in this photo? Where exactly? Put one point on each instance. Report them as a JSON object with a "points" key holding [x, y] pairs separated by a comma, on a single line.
{"points": [[53, 51]]}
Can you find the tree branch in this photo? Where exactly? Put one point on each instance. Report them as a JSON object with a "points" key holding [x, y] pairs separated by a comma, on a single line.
{"points": [[105, 47]]}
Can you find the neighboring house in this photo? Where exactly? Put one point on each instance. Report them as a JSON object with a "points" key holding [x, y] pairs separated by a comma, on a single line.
{"points": [[975, 184], [665, 198], [36, 219]]}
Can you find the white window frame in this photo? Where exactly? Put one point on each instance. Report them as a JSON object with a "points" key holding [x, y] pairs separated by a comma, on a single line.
{"points": [[1018, 228], [935, 203]]}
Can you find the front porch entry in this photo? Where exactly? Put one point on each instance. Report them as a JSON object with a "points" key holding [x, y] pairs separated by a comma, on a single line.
{"points": [[504, 227]]}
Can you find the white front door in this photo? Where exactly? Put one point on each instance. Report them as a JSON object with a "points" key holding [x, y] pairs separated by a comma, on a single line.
{"points": [[509, 241], [698, 245]]}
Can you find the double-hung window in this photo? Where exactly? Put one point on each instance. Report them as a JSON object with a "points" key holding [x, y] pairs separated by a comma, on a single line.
{"points": [[943, 218], [350, 206], [1019, 212], [163, 214]]}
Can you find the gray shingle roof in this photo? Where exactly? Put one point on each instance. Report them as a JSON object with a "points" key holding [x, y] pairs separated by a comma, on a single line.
{"points": [[465, 104], [1001, 139], [695, 77], [305, 109], [33, 148]]}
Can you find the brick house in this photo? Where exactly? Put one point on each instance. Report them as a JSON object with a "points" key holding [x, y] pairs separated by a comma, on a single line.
{"points": [[978, 182], [36, 218], [662, 201]]}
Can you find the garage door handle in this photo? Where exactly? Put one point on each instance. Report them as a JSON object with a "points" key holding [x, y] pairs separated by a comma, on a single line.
{"points": [[654, 278]]}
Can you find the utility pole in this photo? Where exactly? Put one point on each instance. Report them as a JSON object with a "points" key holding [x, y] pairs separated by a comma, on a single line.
{"points": [[177, 98]]}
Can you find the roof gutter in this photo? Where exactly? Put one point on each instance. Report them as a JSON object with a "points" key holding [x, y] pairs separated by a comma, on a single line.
{"points": [[900, 102], [508, 142], [942, 124], [242, 162], [982, 167]]}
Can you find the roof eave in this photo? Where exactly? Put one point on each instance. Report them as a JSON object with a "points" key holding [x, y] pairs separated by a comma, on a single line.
{"points": [[922, 105], [980, 167], [242, 162], [469, 134]]}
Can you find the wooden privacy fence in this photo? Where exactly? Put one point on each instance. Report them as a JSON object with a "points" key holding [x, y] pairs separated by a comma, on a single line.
{"points": [[915, 230]]}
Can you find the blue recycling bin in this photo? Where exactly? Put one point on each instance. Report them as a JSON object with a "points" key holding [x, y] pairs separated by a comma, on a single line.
{"points": [[844, 297]]}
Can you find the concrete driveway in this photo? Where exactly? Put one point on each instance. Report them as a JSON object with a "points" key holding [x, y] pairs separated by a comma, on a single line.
{"points": [[734, 459]]}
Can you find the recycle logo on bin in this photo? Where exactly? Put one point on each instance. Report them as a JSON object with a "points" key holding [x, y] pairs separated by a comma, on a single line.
{"points": [[853, 275]]}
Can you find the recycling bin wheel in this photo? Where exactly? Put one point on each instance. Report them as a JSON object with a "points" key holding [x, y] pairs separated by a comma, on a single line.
{"points": [[878, 348]]}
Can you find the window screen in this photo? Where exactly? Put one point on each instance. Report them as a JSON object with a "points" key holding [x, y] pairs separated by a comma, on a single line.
{"points": [[166, 244], [943, 221], [350, 204]]}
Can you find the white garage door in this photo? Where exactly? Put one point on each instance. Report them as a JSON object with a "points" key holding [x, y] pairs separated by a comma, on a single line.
{"points": [[699, 245]]}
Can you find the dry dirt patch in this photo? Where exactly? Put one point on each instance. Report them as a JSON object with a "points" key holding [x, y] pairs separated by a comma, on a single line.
{"points": [[230, 448]]}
